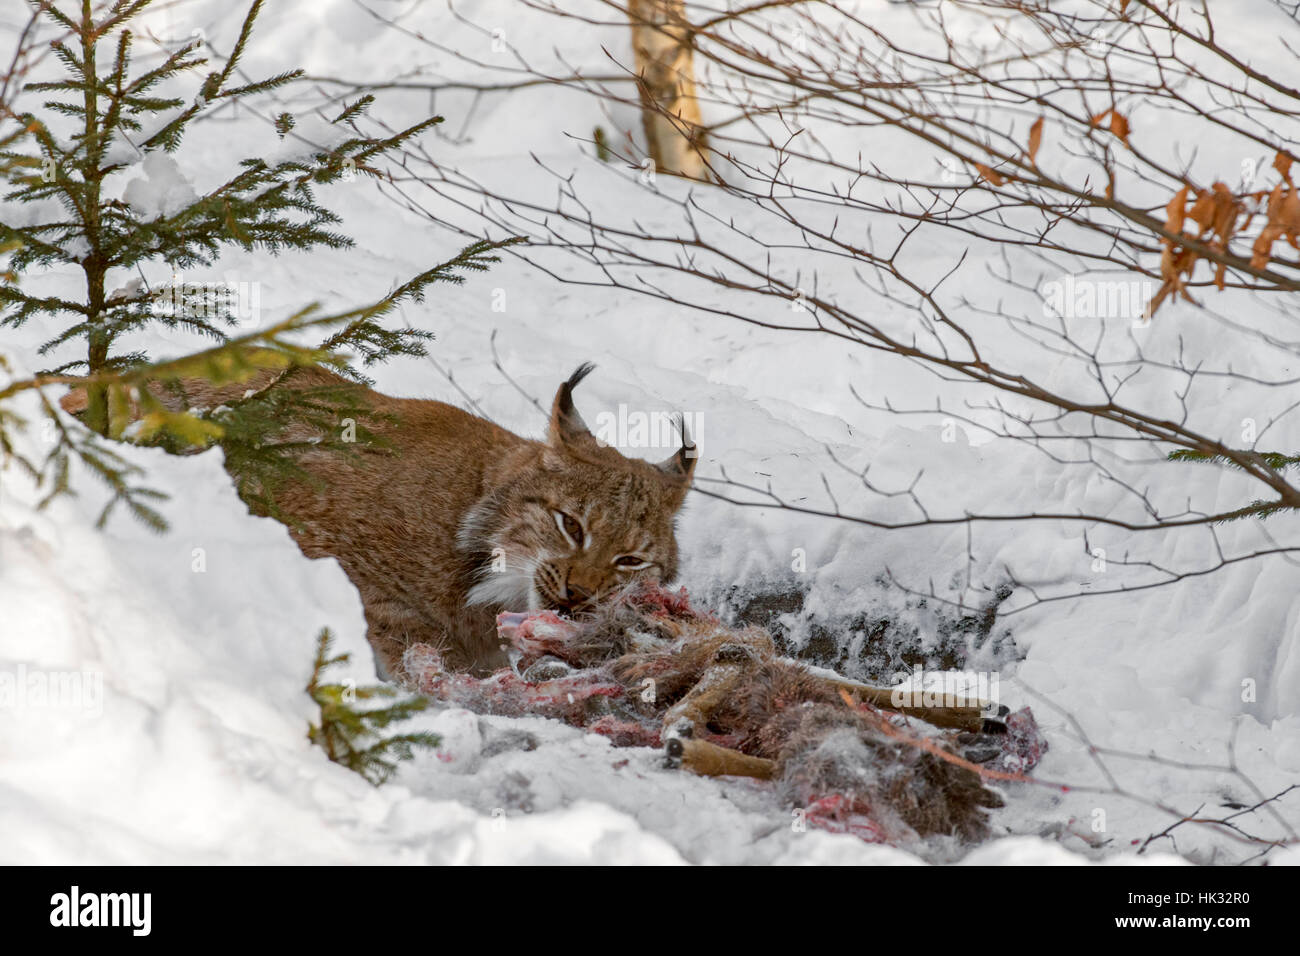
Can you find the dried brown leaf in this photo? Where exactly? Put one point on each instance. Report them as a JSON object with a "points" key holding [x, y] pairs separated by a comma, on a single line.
{"points": [[1119, 126], [1176, 211], [1262, 250], [992, 175], [1289, 217], [1226, 212], [1282, 163], [1035, 138], [1202, 211]]}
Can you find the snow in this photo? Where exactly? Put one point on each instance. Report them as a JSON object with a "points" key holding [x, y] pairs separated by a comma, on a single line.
{"points": [[164, 190], [197, 750]]}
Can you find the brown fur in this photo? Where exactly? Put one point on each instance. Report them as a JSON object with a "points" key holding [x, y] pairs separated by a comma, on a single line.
{"points": [[456, 519], [825, 749], [728, 704]]}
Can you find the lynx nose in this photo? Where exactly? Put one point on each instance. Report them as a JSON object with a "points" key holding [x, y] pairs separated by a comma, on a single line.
{"points": [[576, 596]]}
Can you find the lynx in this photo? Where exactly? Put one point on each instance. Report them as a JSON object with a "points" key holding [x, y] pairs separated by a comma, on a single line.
{"points": [[467, 519]]}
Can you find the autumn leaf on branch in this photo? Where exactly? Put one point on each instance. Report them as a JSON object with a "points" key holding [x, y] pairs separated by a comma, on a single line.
{"points": [[1216, 212], [1175, 261], [1282, 163], [1118, 124], [990, 174], [1035, 140], [1283, 221]]}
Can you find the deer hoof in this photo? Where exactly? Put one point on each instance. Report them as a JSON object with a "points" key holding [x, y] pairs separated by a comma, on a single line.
{"points": [[673, 753], [993, 725]]}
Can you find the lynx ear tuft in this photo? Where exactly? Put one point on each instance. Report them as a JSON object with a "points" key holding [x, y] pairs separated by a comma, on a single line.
{"points": [[681, 465], [567, 426]]}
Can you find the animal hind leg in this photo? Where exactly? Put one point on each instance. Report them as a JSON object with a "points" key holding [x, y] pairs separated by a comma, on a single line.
{"points": [[710, 760], [976, 716]]}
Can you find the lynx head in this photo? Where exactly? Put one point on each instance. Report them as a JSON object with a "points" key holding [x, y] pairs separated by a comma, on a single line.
{"points": [[578, 522]]}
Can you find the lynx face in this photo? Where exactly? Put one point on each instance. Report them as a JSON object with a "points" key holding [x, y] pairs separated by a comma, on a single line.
{"points": [[577, 523]]}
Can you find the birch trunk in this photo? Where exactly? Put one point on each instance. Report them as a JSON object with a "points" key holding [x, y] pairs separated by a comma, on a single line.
{"points": [[670, 114]]}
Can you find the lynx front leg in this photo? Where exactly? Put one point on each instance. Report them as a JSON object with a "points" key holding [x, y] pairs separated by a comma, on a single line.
{"points": [[467, 641], [391, 633]]}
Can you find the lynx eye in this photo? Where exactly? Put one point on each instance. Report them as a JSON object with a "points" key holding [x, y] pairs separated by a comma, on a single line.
{"points": [[630, 562], [570, 527]]}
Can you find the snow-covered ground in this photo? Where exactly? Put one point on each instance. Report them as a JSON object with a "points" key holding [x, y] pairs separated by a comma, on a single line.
{"points": [[189, 742]]}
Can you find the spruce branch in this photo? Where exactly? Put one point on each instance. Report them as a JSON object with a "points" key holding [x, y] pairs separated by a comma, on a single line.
{"points": [[353, 736]]}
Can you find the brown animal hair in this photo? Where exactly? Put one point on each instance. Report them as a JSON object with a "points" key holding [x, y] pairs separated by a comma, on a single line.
{"points": [[450, 519]]}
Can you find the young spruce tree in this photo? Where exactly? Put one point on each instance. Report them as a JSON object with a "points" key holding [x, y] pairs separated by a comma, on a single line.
{"points": [[103, 118]]}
